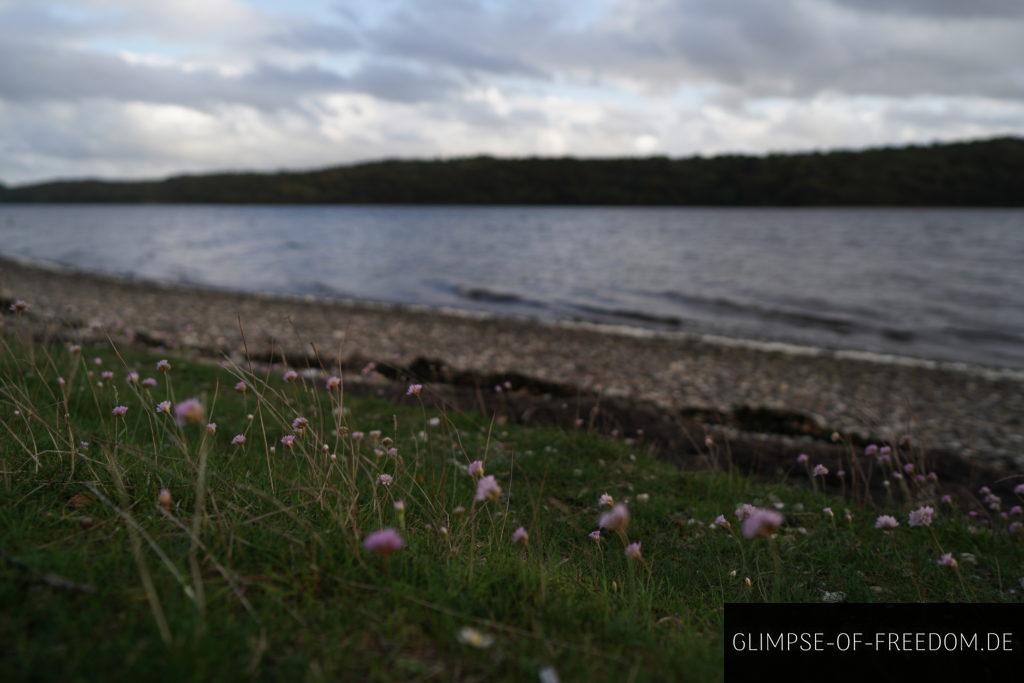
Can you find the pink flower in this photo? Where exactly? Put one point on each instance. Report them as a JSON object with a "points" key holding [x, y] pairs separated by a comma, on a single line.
{"points": [[828, 512], [19, 307], [299, 424], [367, 369], [985, 491], [722, 523], [132, 377], [606, 501], [820, 471], [922, 516], [886, 522], [149, 382], [1016, 510], [521, 535], [384, 542], [744, 511], [633, 551], [163, 407], [476, 468], [385, 479], [1019, 489], [909, 468], [616, 519], [106, 374], [333, 383], [803, 459], [119, 411], [241, 387], [1015, 527], [947, 499], [238, 440], [871, 449], [163, 366], [595, 535], [947, 560], [414, 390], [189, 411], [393, 452], [288, 440], [290, 376], [211, 428], [761, 523], [487, 489]]}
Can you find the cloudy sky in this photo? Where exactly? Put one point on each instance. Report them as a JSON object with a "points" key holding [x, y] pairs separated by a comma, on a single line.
{"points": [[140, 88]]}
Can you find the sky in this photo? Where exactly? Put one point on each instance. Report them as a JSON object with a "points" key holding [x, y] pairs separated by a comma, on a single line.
{"points": [[144, 88]]}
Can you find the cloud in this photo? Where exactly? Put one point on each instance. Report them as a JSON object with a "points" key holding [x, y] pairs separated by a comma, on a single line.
{"points": [[121, 88], [760, 48], [940, 8], [34, 72], [402, 83]]}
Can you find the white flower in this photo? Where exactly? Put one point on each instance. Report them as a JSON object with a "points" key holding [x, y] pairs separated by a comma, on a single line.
{"points": [[470, 636]]}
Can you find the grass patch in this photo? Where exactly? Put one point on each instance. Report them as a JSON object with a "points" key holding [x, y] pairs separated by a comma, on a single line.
{"points": [[252, 564]]}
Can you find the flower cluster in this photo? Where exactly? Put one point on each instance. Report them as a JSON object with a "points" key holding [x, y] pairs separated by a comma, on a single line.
{"points": [[886, 522], [761, 523], [384, 542], [487, 488]]}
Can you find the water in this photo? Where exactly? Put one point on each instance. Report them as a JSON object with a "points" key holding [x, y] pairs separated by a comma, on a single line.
{"points": [[940, 284]]}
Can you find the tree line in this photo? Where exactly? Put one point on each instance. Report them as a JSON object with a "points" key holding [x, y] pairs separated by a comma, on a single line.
{"points": [[974, 173]]}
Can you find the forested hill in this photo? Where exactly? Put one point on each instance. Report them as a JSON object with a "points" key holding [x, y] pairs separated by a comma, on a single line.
{"points": [[981, 173]]}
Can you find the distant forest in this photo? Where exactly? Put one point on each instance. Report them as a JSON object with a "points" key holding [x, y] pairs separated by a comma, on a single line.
{"points": [[979, 173]]}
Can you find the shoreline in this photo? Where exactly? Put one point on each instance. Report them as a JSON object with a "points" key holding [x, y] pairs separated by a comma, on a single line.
{"points": [[597, 327], [972, 410]]}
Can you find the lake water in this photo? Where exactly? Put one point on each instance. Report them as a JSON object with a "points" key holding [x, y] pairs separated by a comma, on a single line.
{"points": [[940, 284]]}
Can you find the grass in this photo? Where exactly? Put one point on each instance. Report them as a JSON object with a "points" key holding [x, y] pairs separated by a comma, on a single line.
{"points": [[255, 568]]}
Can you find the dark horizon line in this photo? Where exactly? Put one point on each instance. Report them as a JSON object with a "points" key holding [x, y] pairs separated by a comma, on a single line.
{"points": [[866, 149], [987, 172]]}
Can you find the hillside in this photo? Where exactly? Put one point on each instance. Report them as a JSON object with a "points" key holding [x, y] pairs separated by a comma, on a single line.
{"points": [[979, 173]]}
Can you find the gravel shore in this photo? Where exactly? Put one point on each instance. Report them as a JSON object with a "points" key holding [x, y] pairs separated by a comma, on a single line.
{"points": [[975, 412]]}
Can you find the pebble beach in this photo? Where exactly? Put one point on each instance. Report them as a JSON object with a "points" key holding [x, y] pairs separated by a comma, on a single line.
{"points": [[975, 412]]}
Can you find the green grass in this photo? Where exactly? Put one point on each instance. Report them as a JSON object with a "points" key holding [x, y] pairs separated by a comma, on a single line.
{"points": [[257, 570]]}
